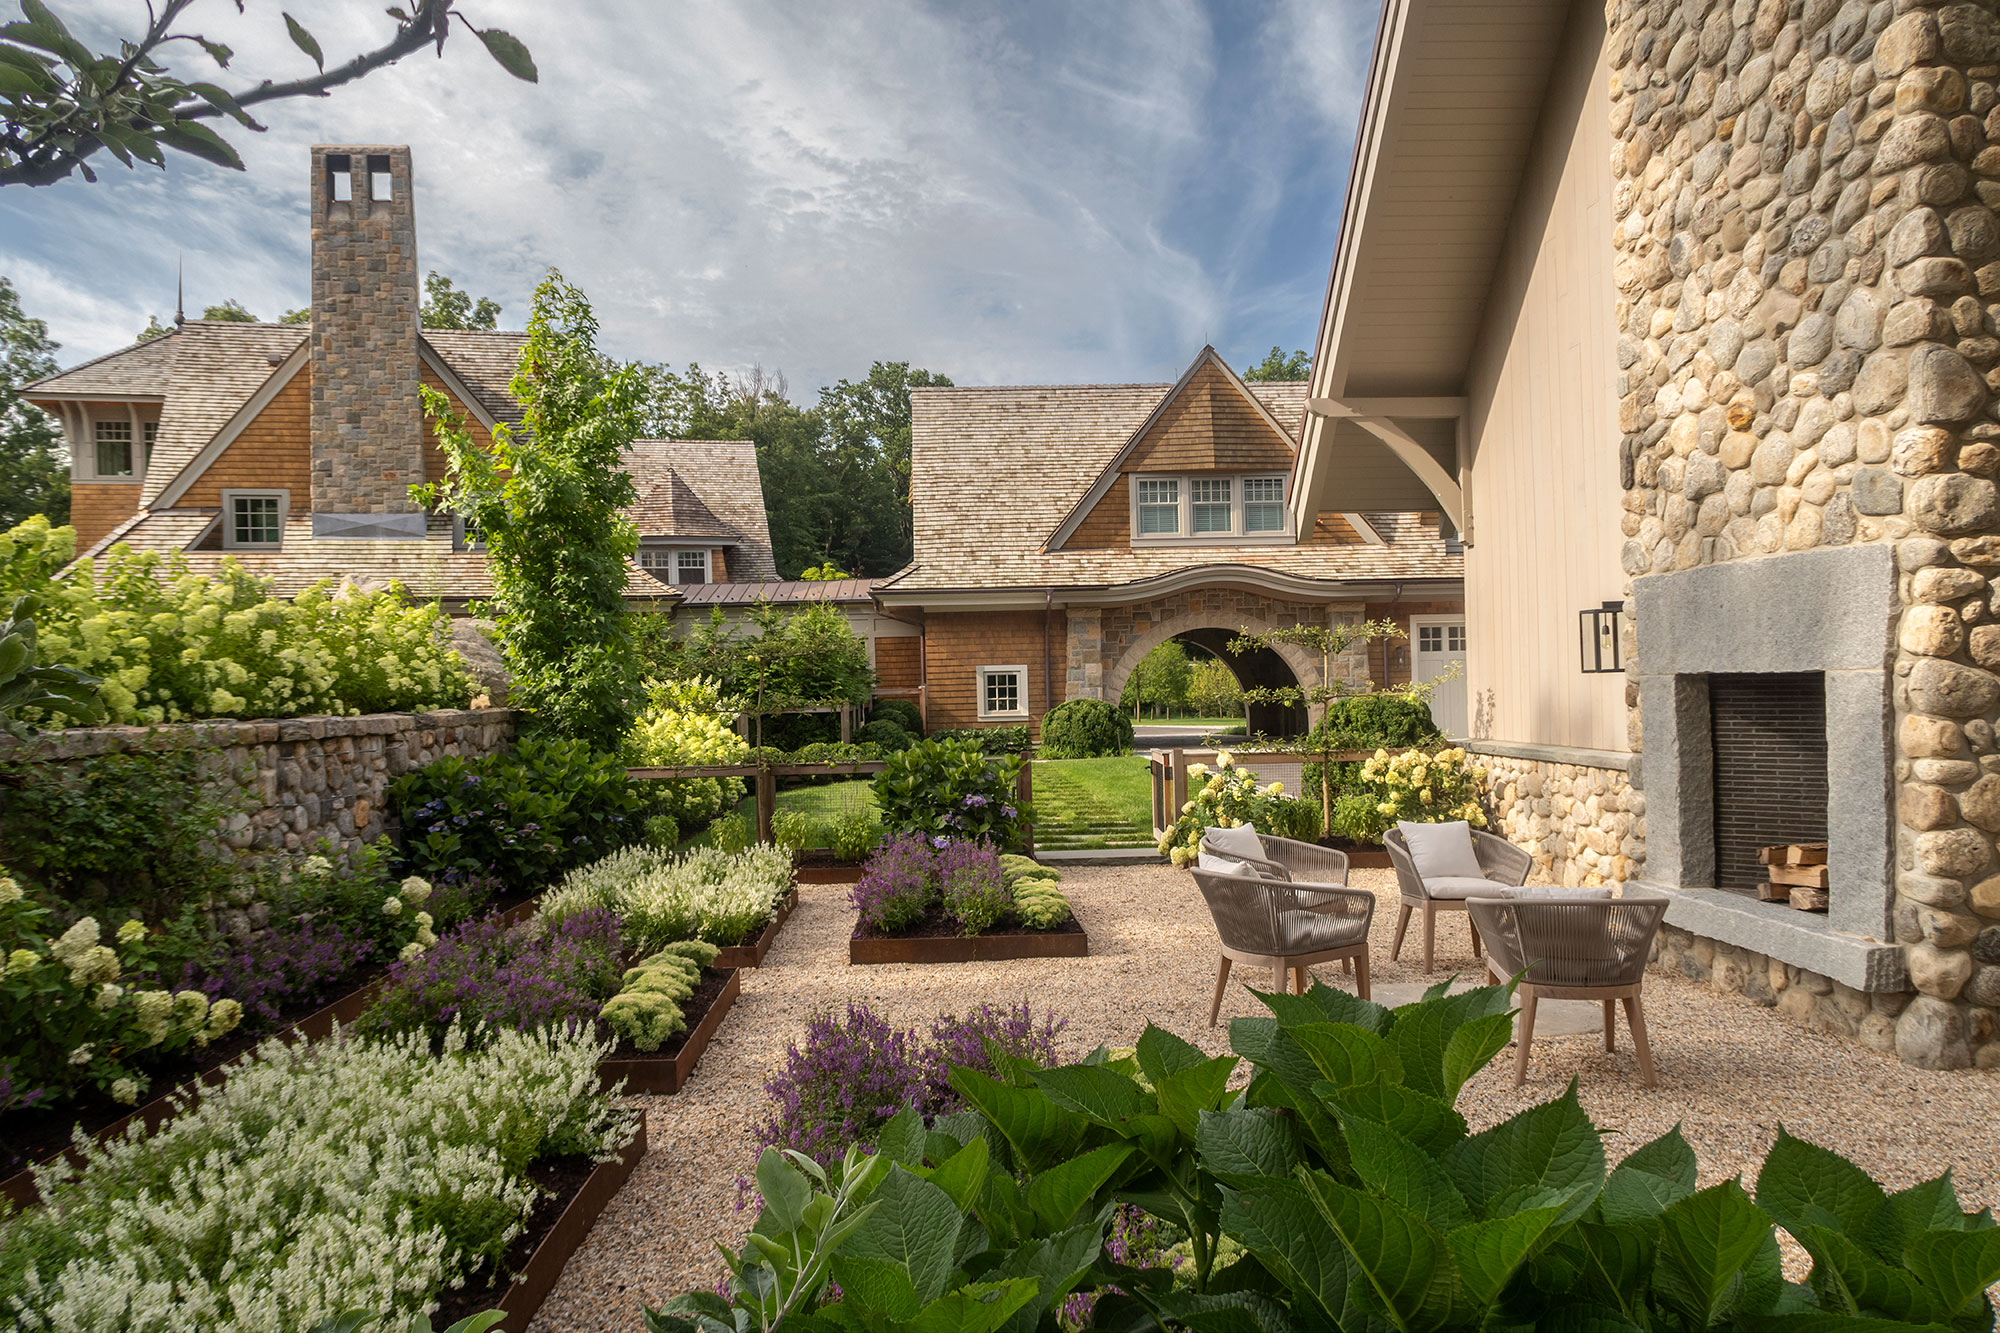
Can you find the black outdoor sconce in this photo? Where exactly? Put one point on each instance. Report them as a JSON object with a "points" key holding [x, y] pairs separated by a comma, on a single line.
{"points": [[1597, 635]]}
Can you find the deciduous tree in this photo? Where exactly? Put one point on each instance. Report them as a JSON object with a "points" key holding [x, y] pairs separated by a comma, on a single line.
{"points": [[1277, 366], [34, 466]]}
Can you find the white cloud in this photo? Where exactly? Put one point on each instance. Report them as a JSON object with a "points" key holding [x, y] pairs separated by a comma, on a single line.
{"points": [[1011, 194]]}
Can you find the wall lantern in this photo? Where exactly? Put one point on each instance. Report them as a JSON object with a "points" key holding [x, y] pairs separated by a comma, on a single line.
{"points": [[1597, 635]]}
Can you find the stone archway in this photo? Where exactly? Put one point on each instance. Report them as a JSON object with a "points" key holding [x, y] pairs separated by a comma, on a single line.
{"points": [[1263, 667]]}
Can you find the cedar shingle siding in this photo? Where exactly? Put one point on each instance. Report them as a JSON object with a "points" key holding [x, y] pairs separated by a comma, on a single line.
{"points": [[98, 507], [1210, 427], [957, 644]]}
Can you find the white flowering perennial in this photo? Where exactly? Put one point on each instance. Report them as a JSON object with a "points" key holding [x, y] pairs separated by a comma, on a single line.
{"points": [[660, 897], [295, 1191]]}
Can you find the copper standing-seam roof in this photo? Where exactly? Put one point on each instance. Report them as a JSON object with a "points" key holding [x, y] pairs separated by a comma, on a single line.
{"points": [[793, 591], [994, 471]]}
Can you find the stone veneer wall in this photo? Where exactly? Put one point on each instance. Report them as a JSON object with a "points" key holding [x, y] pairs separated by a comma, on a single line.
{"points": [[311, 778], [1583, 824], [1808, 268]]}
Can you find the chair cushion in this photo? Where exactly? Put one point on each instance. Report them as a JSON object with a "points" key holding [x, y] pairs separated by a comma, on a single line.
{"points": [[1553, 891], [1463, 886], [1222, 847], [1441, 851]]}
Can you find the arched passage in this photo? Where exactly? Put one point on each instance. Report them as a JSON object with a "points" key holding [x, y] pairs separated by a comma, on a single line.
{"points": [[1286, 665]]}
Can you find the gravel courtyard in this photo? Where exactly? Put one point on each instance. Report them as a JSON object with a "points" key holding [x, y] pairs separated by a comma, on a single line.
{"points": [[1729, 1071]]}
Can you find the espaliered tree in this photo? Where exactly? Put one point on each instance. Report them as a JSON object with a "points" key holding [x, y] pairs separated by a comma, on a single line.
{"points": [[1329, 641], [548, 500]]}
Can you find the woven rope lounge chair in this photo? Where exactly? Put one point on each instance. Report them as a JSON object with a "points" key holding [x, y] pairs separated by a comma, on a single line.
{"points": [[1268, 915], [1573, 948], [1500, 863]]}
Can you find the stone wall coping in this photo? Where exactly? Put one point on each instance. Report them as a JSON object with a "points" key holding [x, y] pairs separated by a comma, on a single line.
{"points": [[1617, 761], [1780, 931], [216, 734]]}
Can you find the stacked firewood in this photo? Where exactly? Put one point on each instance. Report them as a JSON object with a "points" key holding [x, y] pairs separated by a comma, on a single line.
{"points": [[1796, 873]]}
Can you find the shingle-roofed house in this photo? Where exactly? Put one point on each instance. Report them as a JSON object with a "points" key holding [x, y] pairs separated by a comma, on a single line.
{"points": [[292, 447], [1063, 531]]}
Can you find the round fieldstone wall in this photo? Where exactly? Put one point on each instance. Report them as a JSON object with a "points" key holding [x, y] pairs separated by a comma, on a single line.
{"points": [[1583, 825], [1808, 272]]}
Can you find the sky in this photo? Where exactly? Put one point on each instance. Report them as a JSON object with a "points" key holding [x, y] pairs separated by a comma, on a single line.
{"points": [[1028, 192]]}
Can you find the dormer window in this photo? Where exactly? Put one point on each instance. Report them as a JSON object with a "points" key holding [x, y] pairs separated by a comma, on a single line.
{"points": [[691, 567], [114, 448], [152, 433], [254, 520], [1209, 508]]}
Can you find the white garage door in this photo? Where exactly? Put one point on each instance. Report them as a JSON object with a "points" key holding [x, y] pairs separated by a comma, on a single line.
{"points": [[1440, 642]]}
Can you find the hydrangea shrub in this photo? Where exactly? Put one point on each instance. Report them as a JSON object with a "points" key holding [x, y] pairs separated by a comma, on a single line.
{"points": [[170, 645], [1228, 796], [1414, 785]]}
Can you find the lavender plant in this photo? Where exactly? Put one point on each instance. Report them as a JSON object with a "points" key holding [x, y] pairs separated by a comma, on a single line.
{"points": [[972, 887], [899, 884], [490, 976]]}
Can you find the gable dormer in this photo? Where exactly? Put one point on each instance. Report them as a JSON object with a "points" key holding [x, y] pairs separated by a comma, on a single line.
{"points": [[1209, 466]]}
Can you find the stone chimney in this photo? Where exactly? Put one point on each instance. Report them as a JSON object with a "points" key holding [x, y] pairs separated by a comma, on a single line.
{"points": [[367, 418]]}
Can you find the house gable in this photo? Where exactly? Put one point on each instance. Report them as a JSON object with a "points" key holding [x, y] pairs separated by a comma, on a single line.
{"points": [[1208, 422]]}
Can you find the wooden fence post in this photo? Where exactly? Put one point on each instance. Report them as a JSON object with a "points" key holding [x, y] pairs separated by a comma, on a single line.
{"points": [[1179, 761], [767, 802]]}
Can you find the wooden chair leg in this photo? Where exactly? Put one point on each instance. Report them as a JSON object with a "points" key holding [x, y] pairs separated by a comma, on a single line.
{"points": [[1430, 934], [1221, 985], [1477, 952], [1278, 976], [1347, 966], [1361, 975], [1635, 1014], [1299, 980], [1611, 1025], [1524, 1034], [1402, 924]]}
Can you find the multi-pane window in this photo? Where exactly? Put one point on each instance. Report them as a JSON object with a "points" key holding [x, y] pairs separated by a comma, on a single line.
{"points": [[1263, 504], [1210, 497], [1160, 506], [256, 520], [152, 433], [1440, 638], [114, 448], [691, 567], [1002, 692]]}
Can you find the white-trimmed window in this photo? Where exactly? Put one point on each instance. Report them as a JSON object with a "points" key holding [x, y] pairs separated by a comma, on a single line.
{"points": [[1209, 507], [114, 448], [1159, 505], [254, 520], [1209, 497], [1263, 504], [152, 434], [690, 566], [1003, 692], [465, 534]]}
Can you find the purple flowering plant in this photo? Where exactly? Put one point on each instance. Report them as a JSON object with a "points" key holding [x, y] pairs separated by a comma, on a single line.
{"points": [[898, 885], [852, 1072], [972, 886], [291, 965], [528, 976]]}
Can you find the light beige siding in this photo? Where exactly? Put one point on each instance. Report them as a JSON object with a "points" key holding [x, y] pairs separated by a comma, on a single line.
{"points": [[1544, 436]]}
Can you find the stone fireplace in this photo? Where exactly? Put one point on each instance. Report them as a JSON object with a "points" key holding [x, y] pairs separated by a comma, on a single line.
{"points": [[1765, 702]]}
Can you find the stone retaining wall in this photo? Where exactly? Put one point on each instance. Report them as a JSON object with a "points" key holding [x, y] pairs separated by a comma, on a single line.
{"points": [[1582, 824], [311, 778]]}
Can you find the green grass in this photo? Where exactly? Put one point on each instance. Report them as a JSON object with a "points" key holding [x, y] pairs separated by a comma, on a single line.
{"points": [[825, 803], [1092, 803], [1217, 723]]}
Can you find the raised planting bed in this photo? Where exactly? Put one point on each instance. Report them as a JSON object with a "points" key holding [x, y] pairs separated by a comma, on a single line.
{"points": [[752, 954], [1361, 855], [579, 1190], [31, 1138], [669, 1068], [816, 865], [935, 939]]}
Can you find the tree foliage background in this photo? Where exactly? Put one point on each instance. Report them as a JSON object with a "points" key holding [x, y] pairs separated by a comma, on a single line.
{"points": [[836, 474], [34, 466]]}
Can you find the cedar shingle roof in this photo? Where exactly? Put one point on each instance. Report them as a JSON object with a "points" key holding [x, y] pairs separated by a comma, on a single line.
{"points": [[723, 476], [994, 471], [486, 360], [429, 568], [217, 367], [138, 371], [670, 508]]}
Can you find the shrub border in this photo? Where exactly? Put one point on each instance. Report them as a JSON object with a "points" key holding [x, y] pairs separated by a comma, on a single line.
{"points": [[670, 1073], [20, 1188]]}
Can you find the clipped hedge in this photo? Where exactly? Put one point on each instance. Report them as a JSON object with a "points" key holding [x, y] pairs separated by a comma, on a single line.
{"points": [[1086, 729]]}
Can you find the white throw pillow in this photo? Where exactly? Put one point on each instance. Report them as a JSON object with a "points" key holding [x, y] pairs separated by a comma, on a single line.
{"points": [[1234, 842], [1222, 865], [1441, 851]]}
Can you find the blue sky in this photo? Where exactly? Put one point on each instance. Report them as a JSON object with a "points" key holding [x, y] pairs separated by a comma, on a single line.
{"points": [[1021, 193]]}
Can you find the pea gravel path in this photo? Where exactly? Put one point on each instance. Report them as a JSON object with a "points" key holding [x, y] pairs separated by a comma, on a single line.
{"points": [[1729, 1071]]}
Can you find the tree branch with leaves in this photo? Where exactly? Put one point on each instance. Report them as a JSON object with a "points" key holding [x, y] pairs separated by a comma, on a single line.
{"points": [[64, 102], [1329, 642]]}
